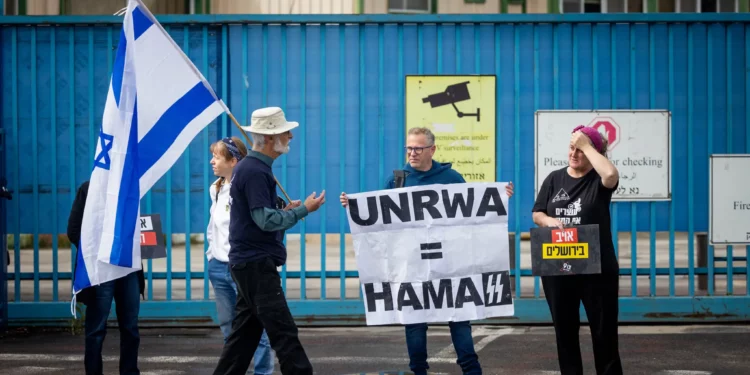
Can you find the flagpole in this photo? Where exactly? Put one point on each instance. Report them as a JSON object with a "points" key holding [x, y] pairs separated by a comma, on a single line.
{"points": [[250, 145]]}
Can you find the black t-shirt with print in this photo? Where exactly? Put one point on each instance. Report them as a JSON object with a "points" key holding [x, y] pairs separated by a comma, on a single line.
{"points": [[580, 201]]}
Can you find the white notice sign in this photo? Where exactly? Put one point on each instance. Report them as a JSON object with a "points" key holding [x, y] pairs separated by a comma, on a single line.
{"points": [[433, 253], [729, 205], [639, 146]]}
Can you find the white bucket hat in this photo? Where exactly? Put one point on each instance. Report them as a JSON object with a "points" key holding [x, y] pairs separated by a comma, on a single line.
{"points": [[269, 121]]}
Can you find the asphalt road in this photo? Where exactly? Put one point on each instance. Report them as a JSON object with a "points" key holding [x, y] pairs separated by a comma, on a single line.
{"points": [[676, 350]]}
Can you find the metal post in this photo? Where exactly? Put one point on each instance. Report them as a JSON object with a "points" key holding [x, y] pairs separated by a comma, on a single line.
{"points": [[4, 253], [512, 259], [702, 248], [4, 258]]}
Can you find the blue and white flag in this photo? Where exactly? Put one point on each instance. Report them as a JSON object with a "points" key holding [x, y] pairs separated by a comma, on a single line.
{"points": [[157, 103]]}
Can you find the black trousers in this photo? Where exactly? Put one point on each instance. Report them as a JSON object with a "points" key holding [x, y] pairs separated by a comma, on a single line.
{"points": [[261, 304], [599, 295]]}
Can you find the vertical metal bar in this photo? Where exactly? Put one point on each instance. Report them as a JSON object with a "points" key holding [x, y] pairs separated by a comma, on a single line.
{"points": [[342, 154], [72, 126], [361, 99], [633, 205], [323, 156], [283, 105], [16, 164], [517, 156], [264, 63], [477, 52], [35, 162], [381, 104], [401, 84], [710, 140], [555, 68], [169, 220], [595, 65], [458, 47], [613, 105], [53, 151], [110, 52], [671, 201], [575, 65], [303, 157], [652, 206], [186, 156], [420, 46], [536, 105], [206, 197], [730, 138], [245, 77], [440, 48], [92, 122], [690, 156]]}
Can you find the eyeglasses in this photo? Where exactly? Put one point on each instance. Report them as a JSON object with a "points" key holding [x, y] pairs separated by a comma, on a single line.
{"points": [[416, 150]]}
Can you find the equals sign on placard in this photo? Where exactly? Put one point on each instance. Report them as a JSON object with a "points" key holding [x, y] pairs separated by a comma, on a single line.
{"points": [[431, 246]]}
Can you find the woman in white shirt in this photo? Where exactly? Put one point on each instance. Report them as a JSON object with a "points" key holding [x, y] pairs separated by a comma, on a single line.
{"points": [[226, 154]]}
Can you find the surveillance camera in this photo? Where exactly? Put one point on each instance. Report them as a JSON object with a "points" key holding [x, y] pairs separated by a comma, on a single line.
{"points": [[453, 94]]}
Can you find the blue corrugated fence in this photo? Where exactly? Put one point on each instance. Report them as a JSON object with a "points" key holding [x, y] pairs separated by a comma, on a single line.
{"points": [[342, 77]]}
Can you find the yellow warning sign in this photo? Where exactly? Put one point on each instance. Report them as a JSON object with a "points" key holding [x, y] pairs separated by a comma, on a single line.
{"points": [[460, 111]]}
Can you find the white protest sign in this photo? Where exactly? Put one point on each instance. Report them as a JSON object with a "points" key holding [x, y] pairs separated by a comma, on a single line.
{"points": [[432, 253], [639, 146], [729, 204]]}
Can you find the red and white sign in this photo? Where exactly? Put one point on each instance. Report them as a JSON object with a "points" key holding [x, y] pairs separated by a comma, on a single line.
{"points": [[567, 235], [608, 128]]}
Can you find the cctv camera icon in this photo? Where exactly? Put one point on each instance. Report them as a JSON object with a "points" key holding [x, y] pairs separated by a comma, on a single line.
{"points": [[453, 94]]}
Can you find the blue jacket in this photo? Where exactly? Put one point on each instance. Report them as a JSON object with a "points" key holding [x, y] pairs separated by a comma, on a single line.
{"points": [[440, 173]]}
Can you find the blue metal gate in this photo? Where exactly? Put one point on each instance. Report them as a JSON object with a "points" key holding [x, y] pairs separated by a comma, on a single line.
{"points": [[342, 77]]}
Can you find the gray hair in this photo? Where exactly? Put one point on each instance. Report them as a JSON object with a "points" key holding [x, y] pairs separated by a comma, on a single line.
{"points": [[422, 130], [259, 140]]}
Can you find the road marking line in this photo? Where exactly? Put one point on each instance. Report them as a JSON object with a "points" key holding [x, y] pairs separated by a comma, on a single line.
{"points": [[35, 369], [449, 352]]}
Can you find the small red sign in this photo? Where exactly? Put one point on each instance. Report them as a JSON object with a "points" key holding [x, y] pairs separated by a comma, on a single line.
{"points": [[567, 235], [148, 239], [609, 128]]}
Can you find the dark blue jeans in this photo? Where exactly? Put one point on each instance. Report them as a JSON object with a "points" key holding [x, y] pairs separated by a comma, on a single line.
{"points": [[463, 342], [126, 294]]}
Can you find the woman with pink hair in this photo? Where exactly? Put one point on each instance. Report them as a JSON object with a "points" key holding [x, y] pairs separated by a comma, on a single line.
{"points": [[581, 194]]}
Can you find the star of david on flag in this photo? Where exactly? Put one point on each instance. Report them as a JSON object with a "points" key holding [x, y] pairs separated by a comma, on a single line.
{"points": [[105, 142], [157, 103]]}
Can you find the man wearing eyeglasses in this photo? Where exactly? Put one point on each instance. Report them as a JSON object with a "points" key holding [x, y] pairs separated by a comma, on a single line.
{"points": [[423, 170]]}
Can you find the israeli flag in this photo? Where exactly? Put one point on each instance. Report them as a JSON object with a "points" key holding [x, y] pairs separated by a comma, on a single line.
{"points": [[157, 103]]}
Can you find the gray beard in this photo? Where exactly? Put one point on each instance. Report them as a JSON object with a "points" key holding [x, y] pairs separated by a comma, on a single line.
{"points": [[278, 147]]}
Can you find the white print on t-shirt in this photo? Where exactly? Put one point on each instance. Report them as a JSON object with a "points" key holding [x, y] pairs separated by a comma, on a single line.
{"points": [[569, 220], [572, 210], [562, 195]]}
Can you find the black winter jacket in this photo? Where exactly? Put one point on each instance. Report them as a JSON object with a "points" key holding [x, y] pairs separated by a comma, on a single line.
{"points": [[75, 221]]}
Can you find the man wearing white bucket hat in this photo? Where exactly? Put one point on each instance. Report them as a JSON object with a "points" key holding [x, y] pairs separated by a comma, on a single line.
{"points": [[256, 250]]}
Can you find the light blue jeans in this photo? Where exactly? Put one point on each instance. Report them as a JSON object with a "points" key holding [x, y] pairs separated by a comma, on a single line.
{"points": [[226, 297]]}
